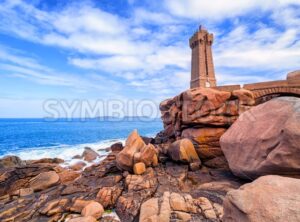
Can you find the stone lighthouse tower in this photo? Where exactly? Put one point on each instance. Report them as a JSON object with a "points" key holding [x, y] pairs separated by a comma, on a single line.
{"points": [[203, 73]]}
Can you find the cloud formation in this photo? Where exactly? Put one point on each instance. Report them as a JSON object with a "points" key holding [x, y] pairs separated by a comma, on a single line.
{"points": [[222, 9], [16, 64], [146, 49]]}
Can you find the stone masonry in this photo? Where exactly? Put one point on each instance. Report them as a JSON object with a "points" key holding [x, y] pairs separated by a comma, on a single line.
{"points": [[203, 73]]}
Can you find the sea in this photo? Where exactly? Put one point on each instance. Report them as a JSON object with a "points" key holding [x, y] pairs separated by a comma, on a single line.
{"points": [[32, 139]]}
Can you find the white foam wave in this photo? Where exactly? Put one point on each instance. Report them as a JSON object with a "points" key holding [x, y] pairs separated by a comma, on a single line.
{"points": [[65, 152]]}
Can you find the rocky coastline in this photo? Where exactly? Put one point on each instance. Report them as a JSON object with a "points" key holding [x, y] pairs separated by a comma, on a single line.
{"points": [[220, 157]]}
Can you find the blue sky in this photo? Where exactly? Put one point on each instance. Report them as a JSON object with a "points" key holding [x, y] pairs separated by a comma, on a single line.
{"points": [[135, 49]]}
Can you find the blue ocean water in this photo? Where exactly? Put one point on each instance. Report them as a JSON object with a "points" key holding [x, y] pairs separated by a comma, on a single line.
{"points": [[39, 138]]}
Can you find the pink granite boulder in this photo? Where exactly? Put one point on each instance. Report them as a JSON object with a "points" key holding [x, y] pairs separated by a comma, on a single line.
{"points": [[267, 199], [265, 140]]}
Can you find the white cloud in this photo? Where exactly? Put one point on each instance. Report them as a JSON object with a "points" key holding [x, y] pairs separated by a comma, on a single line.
{"points": [[152, 63], [87, 19], [220, 9], [232, 78], [287, 16], [80, 27], [113, 42], [89, 43], [8, 55], [263, 49], [16, 64], [109, 64], [149, 49], [143, 16]]}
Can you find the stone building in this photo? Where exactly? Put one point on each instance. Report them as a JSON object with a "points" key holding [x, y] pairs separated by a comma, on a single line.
{"points": [[203, 73]]}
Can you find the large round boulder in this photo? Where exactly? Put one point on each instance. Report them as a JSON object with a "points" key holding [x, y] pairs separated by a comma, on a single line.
{"points": [[265, 140], [267, 199]]}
